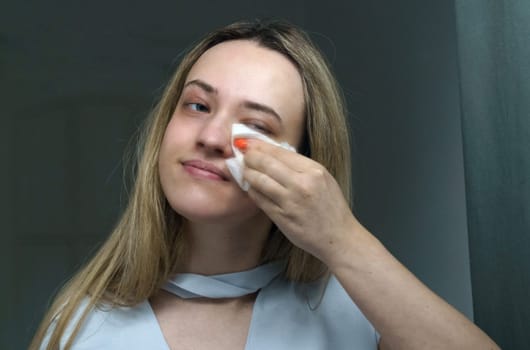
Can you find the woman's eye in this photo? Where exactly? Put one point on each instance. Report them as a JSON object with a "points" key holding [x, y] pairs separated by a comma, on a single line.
{"points": [[260, 128], [198, 107]]}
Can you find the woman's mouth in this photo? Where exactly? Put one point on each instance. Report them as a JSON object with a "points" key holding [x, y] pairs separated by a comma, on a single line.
{"points": [[205, 170]]}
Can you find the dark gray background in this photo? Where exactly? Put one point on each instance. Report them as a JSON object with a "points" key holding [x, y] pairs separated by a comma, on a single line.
{"points": [[77, 79]]}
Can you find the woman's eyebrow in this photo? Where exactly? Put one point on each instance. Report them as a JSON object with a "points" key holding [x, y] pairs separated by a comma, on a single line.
{"points": [[261, 108], [203, 85]]}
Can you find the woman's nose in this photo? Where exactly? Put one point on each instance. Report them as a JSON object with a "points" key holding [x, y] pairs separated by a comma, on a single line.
{"points": [[214, 137]]}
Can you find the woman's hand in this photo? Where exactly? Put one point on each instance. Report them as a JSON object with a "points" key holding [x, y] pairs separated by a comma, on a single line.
{"points": [[301, 198], [307, 205]]}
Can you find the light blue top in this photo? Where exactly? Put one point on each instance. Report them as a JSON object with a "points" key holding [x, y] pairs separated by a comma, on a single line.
{"points": [[286, 315]]}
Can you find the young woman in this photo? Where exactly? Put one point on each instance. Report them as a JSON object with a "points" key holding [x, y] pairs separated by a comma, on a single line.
{"points": [[195, 262]]}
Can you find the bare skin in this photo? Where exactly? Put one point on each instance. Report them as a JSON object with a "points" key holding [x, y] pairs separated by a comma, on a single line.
{"points": [[203, 323]]}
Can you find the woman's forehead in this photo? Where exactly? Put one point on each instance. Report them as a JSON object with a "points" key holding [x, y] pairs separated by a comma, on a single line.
{"points": [[244, 69]]}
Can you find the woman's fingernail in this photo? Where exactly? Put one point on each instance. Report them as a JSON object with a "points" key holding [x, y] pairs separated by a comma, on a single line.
{"points": [[241, 144]]}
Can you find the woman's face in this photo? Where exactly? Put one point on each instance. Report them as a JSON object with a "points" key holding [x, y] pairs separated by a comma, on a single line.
{"points": [[233, 82]]}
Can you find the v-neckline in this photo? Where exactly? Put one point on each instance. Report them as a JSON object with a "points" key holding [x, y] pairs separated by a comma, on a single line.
{"points": [[162, 338]]}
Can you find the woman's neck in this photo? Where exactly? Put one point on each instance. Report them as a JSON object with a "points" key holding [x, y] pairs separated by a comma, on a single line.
{"points": [[214, 248]]}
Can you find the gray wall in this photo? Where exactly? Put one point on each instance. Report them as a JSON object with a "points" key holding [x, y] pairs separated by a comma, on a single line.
{"points": [[77, 79]]}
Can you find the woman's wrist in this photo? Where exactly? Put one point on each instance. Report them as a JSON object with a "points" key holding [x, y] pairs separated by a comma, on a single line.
{"points": [[354, 249]]}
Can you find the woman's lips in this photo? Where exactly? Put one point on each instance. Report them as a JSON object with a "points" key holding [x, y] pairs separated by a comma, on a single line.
{"points": [[206, 170]]}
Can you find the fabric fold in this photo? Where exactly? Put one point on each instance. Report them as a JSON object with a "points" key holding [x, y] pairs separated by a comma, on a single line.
{"points": [[230, 285]]}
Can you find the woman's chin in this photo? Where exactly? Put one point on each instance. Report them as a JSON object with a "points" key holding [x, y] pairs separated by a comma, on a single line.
{"points": [[216, 219], [210, 212]]}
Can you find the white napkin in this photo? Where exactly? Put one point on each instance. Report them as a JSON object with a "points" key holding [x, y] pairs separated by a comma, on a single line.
{"points": [[235, 165]]}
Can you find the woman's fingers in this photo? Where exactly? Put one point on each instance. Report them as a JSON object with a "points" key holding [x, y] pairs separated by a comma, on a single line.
{"points": [[265, 185], [263, 163], [293, 160], [281, 165], [264, 202]]}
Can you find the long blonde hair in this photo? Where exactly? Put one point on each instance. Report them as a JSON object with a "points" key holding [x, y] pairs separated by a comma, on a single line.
{"points": [[146, 244]]}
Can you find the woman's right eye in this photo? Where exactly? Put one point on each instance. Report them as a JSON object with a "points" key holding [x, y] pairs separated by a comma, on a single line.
{"points": [[198, 107]]}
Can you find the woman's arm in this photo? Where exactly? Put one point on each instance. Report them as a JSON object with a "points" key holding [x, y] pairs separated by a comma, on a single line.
{"points": [[406, 313], [306, 203]]}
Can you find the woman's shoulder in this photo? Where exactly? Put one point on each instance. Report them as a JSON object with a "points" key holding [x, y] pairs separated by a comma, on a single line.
{"points": [[115, 327]]}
